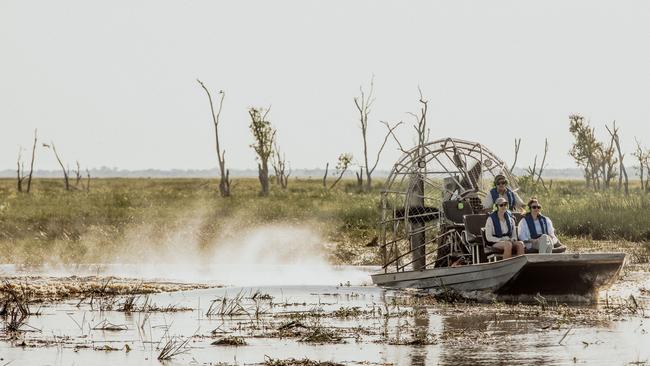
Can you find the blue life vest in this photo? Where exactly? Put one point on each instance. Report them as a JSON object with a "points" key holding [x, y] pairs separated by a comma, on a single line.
{"points": [[510, 195], [531, 225], [497, 225]]}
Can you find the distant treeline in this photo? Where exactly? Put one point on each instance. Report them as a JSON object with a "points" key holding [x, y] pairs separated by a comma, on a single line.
{"points": [[105, 172]]}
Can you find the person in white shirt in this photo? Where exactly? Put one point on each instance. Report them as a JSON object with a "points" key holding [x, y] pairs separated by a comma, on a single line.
{"points": [[501, 190], [500, 229], [536, 230]]}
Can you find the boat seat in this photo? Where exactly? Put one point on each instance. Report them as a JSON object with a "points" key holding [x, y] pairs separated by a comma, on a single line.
{"points": [[492, 254], [472, 235], [517, 216]]}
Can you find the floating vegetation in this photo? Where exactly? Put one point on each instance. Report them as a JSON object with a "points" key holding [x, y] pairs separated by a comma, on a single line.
{"points": [[268, 361], [319, 334], [230, 341], [106, 325]]}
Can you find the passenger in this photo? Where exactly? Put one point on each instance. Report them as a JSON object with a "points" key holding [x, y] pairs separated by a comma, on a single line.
{"points": [[500, 229], [515, 203], [536, 230]]}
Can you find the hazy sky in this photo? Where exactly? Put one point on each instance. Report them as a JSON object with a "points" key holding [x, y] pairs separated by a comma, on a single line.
{"points": [[113, 83]]}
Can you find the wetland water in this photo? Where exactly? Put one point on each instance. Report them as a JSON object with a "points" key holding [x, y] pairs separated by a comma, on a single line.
{"points": [[336, 323]]}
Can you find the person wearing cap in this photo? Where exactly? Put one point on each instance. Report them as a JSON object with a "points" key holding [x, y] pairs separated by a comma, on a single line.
{"points": [[500, 229], [501, 189], [536, 230]]}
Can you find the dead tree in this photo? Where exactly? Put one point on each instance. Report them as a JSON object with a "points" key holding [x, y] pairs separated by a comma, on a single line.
{"points": [[641, 158], [224, 181], [327, 166], [279, 163], [31, 164], [20, 170], [542, 165], [87, 180], [647, 168], [621, 168], [359, 176], [517, 145], [66, 175], [364, 103], [535, 175], [264, 136], [416, 194], [342, 165], [77, 175]]}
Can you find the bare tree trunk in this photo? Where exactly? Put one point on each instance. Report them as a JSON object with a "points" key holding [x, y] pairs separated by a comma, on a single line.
{"points": [[363, 104], [88, 180], [541, 166], [338, 179], [31, 165], [19, 172], [65, 171], [279, 163], [224, 181], [517, 145], [641, 173], [621, 167], [77, 175], [647, 176], [360, 177], [325, 176], [263, 175]]}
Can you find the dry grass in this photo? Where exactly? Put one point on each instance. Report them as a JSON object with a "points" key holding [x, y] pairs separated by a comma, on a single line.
{"points": [[174, 346]]}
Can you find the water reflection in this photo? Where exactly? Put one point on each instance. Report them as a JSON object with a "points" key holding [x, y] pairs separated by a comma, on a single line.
{"points": [[420, 331], [377, 327]]}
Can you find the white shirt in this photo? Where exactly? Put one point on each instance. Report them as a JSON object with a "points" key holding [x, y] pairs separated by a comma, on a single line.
{"points": [[489, 230], [488, 202], [524, 231]]}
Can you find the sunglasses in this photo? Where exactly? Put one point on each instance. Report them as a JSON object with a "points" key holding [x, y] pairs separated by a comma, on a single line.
{"points": [[535, 207], [502, 204]]}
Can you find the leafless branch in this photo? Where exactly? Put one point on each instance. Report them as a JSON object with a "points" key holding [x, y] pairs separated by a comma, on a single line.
{"points": [[31, 165], [224, 181], [65, 171], [517, 145]]}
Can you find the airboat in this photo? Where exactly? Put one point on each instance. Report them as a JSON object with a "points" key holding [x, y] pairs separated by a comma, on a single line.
{"points": [[432, 237]]}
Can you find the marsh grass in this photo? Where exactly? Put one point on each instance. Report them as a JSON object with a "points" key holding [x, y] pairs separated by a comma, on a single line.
{"points": [[52, 225]]}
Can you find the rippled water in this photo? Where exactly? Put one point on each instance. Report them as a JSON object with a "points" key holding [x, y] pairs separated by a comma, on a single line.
{"points": [[371, 321]]}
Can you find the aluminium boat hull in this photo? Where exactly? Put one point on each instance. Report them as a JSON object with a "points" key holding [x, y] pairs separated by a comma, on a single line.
{"points": [[530, 274]]}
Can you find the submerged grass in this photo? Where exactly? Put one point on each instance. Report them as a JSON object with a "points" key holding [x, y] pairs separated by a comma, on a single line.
{"points": [[52, 225]]}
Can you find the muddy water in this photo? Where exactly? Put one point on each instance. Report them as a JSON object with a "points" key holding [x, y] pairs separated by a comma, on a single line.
{"points": [[362, 325]]}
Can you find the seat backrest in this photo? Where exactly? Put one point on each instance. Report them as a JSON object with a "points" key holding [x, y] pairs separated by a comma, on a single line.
{"points": [[517, 216], [474, 223], [454, 210]]}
